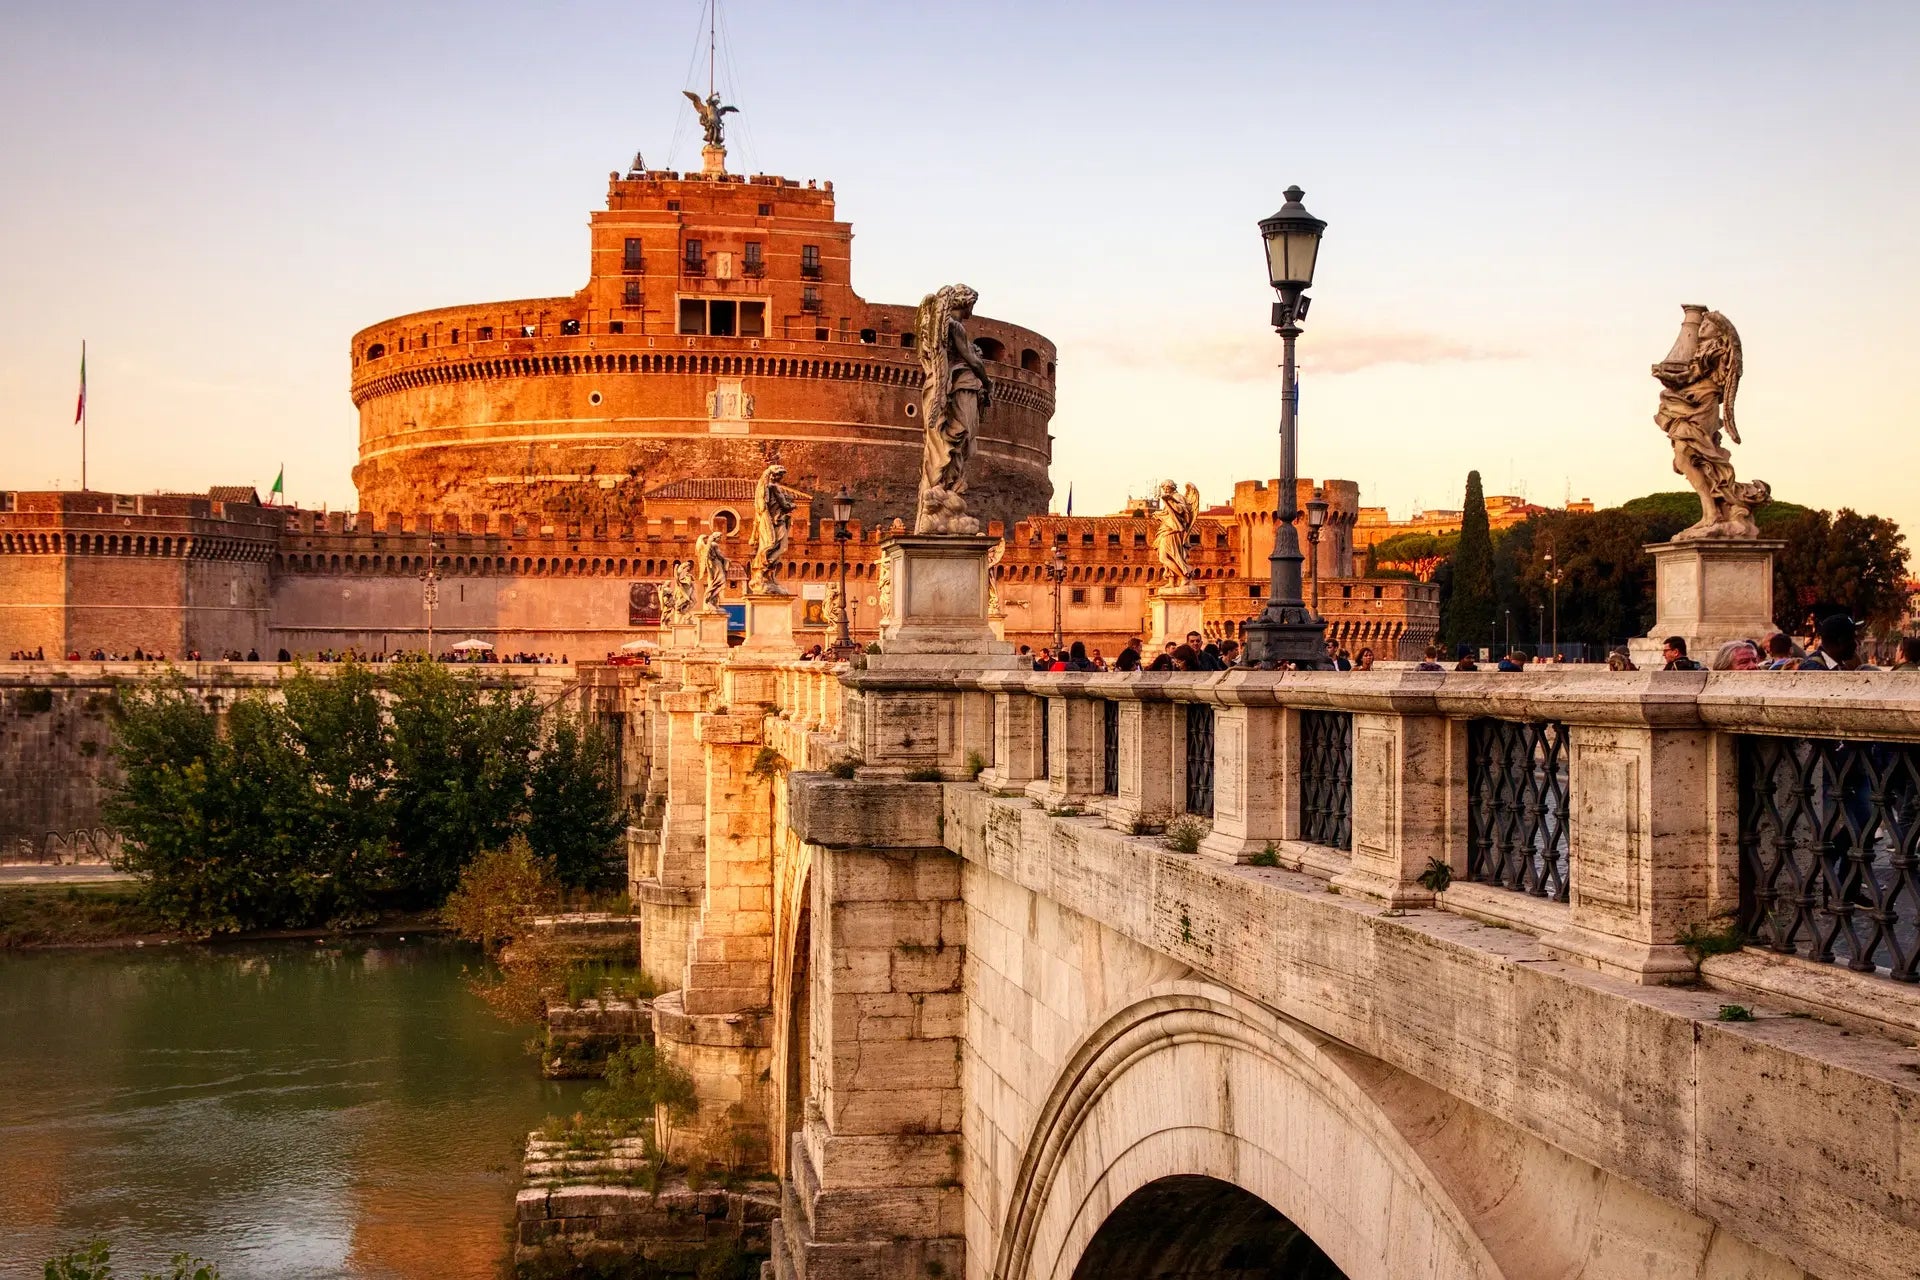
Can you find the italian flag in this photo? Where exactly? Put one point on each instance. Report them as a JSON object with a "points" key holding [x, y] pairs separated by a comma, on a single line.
{"points": [[279, 485], [80, 408]]}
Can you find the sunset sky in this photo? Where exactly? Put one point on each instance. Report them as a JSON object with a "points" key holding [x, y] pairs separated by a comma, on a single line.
{"points": [[217, 195]]}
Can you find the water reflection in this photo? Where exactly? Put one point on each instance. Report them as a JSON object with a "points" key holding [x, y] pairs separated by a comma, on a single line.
{"points": [[292, 1110]]}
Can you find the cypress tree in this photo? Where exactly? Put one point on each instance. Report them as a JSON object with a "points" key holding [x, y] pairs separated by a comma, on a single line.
{"points": [[1469, 610]]}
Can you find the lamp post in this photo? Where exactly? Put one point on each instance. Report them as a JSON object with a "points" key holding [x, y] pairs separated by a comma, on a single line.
{"points": [[1316, 521], [1554, 574], [430, 590], [1541, 629], [1057, 572], [1509, 648], [842, 514], [1285, 631]]}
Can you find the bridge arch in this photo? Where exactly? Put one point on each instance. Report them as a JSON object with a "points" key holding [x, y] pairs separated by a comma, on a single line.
{"points": [[1191, 1081]]}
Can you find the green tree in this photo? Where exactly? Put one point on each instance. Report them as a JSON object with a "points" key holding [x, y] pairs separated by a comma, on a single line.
{"points": [[1469, 604], [342, 733], [461, 761], [574, 812], [1420, 554], [1841, 563]]}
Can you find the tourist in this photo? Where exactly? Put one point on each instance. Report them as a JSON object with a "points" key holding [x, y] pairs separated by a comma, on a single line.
{"points": [[1514, 661], [1617, 660], [1043, 661], [1782, 653], [1129, 659], [1099, 663], [1211, 658], [1839, 647], [1164, 662], [253, 655], [1432, 661], [1077, 658], [1674, 650], [1230, 652], [1737, 655], [1186, 658], [1342, 661], [1464, 659], [1365, 662], [1907, 655]]}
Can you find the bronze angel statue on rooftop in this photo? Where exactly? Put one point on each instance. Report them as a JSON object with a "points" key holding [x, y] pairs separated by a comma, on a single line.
{"points": [[952, 403], [710, 116], [1698, 380]]}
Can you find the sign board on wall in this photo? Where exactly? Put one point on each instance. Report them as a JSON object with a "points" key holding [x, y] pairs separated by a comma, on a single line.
{"points": [[643, 604]]}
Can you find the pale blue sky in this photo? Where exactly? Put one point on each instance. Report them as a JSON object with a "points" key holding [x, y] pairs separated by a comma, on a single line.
{"points": [[216, 195]]}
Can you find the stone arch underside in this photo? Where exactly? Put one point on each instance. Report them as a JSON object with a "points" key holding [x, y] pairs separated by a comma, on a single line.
{"points": [[1387, 1175]]}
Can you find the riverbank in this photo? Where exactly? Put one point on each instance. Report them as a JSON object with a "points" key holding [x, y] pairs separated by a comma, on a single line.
{"points": [[35, 917]]}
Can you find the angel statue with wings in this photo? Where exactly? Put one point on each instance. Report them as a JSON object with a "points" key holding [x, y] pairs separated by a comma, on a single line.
{"points": [[772, 528], [954, 401], [682, 594], [1177, 513], [710, 116], [1698, 380], [710, 557]]}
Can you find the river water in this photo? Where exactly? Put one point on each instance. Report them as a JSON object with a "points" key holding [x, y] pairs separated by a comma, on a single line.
{"points": [[296, 1109]]}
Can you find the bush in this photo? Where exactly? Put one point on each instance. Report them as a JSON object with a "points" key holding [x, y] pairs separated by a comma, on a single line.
{"points": [[499, 892], [976, 765], [843, 768], [643, 1091], [94, 1261], [1185, 833]]}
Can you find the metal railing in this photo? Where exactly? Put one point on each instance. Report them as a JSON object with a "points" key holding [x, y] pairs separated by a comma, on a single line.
{"points": [[1326, 778], [1517, 804], [1200, 759], [1109, 747], [1829, 840]]}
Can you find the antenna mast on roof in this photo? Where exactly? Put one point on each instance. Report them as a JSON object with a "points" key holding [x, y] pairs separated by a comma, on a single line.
{"points": [[713, 19]]}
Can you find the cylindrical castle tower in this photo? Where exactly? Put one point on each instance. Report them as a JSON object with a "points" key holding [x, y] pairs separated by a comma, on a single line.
{"points": [[719, 331]]}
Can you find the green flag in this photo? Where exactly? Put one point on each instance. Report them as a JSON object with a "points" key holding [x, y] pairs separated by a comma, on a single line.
{"points": [[279, 484]]}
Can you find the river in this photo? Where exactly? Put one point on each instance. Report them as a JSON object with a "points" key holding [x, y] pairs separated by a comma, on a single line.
{"points": [[296, 1109]]}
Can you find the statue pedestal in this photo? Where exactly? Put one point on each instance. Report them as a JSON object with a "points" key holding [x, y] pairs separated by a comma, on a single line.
{"points": [[938, 614], [769, 623], [1171, 614], [1709, 592], [713, 160], [682, 635], [710, 629]]}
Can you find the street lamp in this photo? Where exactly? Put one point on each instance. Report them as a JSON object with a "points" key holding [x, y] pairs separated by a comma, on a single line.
{"points": [[1554, 574], [842, 513], [1057, 572], [1285, 632], [1316, 520]]}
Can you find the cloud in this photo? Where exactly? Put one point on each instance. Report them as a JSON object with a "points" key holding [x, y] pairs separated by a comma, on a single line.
{"points": [[1245, 357]]}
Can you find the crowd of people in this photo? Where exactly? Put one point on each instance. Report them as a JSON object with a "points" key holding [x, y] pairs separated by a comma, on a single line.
{"points": [[1196, 654]]}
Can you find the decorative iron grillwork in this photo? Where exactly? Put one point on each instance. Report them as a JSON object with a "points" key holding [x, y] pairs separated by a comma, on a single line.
{"points": [[1046, 736], [1517, 806], [1828, 862], [1110, 748], [1326, 778], [1200, 759]]}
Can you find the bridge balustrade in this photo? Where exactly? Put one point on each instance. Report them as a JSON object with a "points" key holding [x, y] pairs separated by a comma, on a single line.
{"points": [[1518, 790], [1326, 778]]}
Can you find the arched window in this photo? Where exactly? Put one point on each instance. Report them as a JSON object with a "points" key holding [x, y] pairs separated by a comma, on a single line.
{"points": [[991, 348], [1030, 360], [376, 350]]}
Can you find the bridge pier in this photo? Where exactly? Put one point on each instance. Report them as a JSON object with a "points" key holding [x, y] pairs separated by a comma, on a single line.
{"points": [[873, 1185]]}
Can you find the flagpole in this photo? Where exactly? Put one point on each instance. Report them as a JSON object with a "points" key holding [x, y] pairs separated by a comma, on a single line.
{"points": [[83, 415]]}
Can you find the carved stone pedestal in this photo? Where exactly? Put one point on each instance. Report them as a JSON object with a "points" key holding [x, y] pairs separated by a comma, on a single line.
{"points": [[713, 159], [1710, 592], [938, 612], [1172, 613], [770, 622]]}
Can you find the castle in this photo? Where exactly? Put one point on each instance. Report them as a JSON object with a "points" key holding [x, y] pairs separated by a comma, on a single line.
{"points": [[550, 459]]}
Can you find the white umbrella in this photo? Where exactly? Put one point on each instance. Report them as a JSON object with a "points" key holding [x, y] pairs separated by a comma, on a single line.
{"points": [[635, 646], [471, 646]]}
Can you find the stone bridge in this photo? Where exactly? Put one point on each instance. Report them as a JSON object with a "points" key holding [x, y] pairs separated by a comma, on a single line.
{"points": [[1257, 974]]}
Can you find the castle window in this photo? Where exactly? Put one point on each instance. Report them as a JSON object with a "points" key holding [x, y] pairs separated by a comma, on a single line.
{"points": [[570, 328], [1253, 589], [673, 206], [821, 335], [869, 337], [1346, 593], [766, 211], [693, 315], [906, 340], [1079, 595], [616, 326], [753, 319], [1110, 595], [633, 260], [1377, 592], [991, 348], [721, 318], [810, 301], [810, 262], [529, 330], [486, 333], [752, 263], [1030, 360], [426, 339], [454, 336], [630, 297], [377, 350], [696, 262], [1113, 539], [1086, 539]]}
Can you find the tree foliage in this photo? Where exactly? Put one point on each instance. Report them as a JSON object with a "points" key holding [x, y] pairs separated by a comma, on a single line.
{"points": [[574, 812], [319, 807], [1420, 554], [1468, 608]]}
